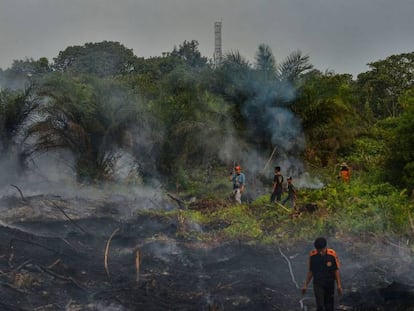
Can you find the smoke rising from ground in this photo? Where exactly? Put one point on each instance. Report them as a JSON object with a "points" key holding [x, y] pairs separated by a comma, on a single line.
{"points": [[53, 175], [266, 113], [54, 171], [268, 116]]}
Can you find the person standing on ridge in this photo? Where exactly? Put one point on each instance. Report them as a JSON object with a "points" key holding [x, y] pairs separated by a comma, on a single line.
{"points": [[239, 182], [323, 267], [291, 194], [277, 188]]}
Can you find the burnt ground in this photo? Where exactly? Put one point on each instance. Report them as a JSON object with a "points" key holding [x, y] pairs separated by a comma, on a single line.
{"points": [[75, 254]]}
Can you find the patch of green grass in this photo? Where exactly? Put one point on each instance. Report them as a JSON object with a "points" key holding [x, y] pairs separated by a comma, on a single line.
{"points": [[343, 210]]}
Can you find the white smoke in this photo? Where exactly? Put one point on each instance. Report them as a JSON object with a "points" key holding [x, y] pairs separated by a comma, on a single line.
{"points": [[286, 130]]}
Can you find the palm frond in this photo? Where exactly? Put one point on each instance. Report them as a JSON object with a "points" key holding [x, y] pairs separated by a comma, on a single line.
{"points": [[293, 66]]}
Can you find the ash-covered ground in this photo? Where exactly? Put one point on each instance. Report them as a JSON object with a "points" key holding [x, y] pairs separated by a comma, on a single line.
{"points": [[103, 253]]}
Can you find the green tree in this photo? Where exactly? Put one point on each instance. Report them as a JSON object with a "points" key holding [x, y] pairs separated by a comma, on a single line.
{"points": [[146, 79], [293, 67], [381, 87], [16, 112], [325, 106], [193, 121], [188, 52], [87, 116], [233, 82], [260, 96], [101, 59], [16, 108], [399, 166], [265, 62], [24, 73]]}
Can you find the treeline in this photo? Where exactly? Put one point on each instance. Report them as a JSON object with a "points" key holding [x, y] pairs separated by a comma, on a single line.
{"points": [[172, 114]]}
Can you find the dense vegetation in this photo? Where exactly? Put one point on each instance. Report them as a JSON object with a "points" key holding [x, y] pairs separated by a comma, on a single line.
{"points": [[184, 121]]}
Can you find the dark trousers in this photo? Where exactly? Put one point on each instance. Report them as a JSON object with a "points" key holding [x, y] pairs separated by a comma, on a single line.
{"points": [[291, 199], [277, 194], [324, 295]]}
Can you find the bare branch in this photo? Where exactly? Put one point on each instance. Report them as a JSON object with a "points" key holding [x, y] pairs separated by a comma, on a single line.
{"points": [[21, 193], [107, 251], [70, 219]]}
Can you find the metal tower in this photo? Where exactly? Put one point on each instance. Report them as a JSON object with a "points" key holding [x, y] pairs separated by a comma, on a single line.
{"points": [[217, 43]]}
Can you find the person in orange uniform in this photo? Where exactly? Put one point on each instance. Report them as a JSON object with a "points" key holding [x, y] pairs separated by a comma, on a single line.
{"points": [[323, 266], [345, 173]]}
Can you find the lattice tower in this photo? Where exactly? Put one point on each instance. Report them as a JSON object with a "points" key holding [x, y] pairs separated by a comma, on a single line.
{"points": [[217, 43]]}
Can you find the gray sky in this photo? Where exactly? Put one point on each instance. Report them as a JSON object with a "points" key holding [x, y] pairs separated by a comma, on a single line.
{"points": [[338, 35]]}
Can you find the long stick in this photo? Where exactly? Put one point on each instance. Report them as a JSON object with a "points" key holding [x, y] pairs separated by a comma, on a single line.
{"points": [[107, 251], [270, 158], [284, 207], [280, 205]]}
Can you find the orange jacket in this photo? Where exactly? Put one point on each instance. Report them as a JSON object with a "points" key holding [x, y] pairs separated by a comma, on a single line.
{"points": [[345, 174]]}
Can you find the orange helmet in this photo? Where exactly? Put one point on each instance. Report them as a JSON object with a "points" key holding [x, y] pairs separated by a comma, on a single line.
{"points": [[238, 168]]}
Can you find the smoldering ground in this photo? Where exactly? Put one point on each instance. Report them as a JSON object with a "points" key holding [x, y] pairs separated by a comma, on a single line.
{"points": [[105, 252], [94, 261]]}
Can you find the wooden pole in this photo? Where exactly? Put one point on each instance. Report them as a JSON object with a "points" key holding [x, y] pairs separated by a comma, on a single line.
{"points": [[270, 158]]}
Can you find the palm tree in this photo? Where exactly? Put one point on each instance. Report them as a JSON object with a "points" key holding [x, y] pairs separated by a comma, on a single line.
{"points": [[293, 66], [265, 62], [16, 111], [87, 116]]}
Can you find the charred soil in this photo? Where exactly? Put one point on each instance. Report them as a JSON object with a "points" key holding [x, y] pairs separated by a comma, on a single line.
{"points": [[76, 254]]}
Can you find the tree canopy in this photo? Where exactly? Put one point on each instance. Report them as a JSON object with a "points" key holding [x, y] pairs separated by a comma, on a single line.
{"points": [[101, 59], [174, 111]]}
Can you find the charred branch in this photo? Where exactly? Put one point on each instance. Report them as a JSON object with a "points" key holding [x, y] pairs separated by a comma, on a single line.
{"points": [[60, 277], [70, 219], [33, 243], [20, 192], [180, 202]]}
